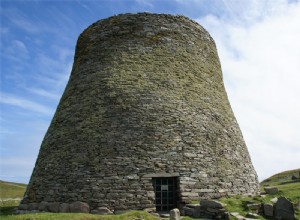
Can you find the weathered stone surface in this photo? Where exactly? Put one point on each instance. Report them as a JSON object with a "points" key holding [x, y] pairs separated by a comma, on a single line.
{"points": [[53, 207], [150, 210], [145, 99], [188, 211], [284, 209], [212, 204], [33, 206], [206, 209], [164, 215], [79, 207], [64, 208], [102, 211], [255, 206], [43, 206], [174, 214], [21, 212], [252, 215], [23, 207], [271, 190], [268, 210]]}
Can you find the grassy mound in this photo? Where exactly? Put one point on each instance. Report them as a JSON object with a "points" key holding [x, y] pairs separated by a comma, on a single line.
{"points": [[289, 176]]}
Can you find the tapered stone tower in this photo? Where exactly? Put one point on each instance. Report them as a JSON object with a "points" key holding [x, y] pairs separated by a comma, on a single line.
{"points": [[144, 122]]}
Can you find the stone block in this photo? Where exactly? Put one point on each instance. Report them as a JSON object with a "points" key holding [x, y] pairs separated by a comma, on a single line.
{"points": [[150, 210], [174, 214], [268, 210], [43, 206], [23, 207], [284, 209], [53, 207], [79, 207], [271, 190], [189, 194], [254, 207], [64, 208], [33, 206], [212, 204], [188, 211]]}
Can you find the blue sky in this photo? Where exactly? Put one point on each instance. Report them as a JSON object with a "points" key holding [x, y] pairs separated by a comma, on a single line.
{"points": [[258, 45]]}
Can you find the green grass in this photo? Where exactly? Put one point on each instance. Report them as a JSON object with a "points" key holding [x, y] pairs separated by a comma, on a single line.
{"points": [[11, 190], [134, 215], [239, 203], [7, 207]]}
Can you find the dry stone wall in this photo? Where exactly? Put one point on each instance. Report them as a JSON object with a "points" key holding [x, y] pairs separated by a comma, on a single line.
{"points": [[145, 99]]}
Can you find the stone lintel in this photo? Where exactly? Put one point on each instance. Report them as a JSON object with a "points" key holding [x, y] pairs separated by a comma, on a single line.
{"points": [[151, 175]]}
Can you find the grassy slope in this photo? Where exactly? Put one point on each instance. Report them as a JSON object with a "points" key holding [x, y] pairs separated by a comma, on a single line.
{"points": [[11, 190], [282, 177]]}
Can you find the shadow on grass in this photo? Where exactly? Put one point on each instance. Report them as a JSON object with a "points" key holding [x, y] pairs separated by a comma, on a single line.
{"points": [[7, 210]]}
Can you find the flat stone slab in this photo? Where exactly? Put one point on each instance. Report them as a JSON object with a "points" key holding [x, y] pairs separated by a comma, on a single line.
{"points": [[271, 190], [212, 204]]}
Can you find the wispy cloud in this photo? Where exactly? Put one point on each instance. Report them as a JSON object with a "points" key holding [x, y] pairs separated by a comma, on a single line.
{"points": [[16, 51], [25, 104], [86, 7], [44, 93]]}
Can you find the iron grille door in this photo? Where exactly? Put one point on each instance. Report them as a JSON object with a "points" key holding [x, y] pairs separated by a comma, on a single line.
{"points": [[165, 193]]}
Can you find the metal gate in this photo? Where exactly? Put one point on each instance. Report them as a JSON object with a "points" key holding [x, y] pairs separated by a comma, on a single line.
{"points": [[165, 193]]}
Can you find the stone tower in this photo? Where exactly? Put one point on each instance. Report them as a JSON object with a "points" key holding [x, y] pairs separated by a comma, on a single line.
{"points": [[144, 121]]}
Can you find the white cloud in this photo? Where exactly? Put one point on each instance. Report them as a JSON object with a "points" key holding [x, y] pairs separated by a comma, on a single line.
{"points": [[25, 104], [260, 61]]}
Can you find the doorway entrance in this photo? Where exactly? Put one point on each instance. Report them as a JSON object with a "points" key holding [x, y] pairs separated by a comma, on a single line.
{"points": [[165, 193]]}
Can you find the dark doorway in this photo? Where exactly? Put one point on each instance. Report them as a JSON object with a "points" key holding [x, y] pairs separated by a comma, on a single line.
{"points": [[165, 193]]}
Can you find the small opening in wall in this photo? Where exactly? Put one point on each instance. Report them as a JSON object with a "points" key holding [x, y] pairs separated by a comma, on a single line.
{"points": [[165, 189]]}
